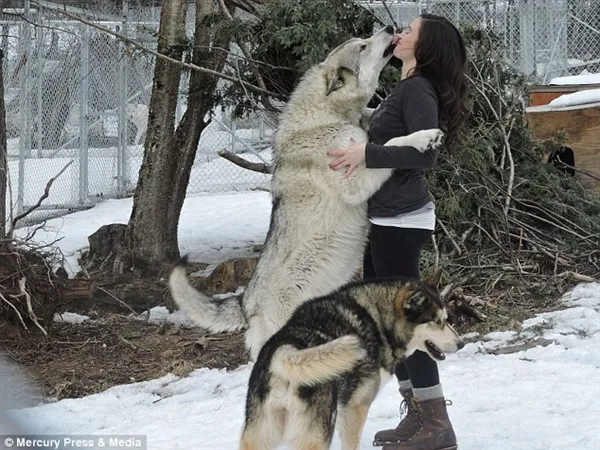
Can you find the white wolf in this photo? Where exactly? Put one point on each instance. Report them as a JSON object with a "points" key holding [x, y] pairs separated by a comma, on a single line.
{"points": [[319, 218], [137, 114]]}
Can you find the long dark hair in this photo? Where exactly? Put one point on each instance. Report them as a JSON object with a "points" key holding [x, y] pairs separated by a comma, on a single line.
{"points": [[441, 57]]}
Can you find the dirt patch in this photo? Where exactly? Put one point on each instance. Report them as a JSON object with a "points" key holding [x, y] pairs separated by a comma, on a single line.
{"points": [[76, 360], [113, 348]]}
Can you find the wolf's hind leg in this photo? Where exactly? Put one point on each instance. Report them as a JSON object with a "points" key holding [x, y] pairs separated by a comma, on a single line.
{"points": [[264, 433], [353, 415], [352, 421], [311, 420]]}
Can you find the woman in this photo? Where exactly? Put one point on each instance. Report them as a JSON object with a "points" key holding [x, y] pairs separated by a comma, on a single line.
{"points": [[431, 94]]}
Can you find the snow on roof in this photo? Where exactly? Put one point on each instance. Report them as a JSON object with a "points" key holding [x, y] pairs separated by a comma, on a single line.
{"points": [[576, 98], [590, 78], [544, 108]]}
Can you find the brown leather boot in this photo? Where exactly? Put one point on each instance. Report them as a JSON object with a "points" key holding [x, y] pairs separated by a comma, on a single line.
{"points": [[435, 431], [408, 426]]}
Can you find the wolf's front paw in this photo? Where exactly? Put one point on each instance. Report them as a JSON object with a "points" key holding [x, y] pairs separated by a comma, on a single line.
{"points": [[424, 140]]}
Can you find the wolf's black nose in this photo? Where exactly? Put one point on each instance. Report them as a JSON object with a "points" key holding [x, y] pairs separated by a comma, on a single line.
{"points": [[460, 345], [389, 29]]}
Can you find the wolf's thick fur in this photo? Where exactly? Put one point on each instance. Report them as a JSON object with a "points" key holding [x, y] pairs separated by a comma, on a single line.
{"points": [[319, 218], [336, 352], [318, 364]]}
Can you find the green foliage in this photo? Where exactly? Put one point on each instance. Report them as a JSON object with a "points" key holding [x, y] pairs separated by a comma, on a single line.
{"points": [[548, 213], [288, 38]]}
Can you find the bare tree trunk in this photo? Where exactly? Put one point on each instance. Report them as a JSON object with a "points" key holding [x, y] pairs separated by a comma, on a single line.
{"points": [[3, 150], [200, 103], [148, 225], [150, 239]]}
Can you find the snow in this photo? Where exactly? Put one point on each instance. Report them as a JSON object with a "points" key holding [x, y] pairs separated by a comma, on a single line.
{"points": [[69, 317], [538, 398], [160, 314], [589, 78], [212, 228], [546, 108], [576, 98]]}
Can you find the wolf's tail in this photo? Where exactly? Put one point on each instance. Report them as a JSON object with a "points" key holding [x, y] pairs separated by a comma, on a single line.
{"points": [[318, 364], [216, 315]]}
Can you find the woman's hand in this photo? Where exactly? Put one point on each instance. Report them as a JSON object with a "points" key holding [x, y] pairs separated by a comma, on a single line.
{"points": [[349, 157]]}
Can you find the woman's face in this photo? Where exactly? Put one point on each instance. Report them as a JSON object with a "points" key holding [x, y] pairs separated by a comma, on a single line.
{"points": [[406, 46]]}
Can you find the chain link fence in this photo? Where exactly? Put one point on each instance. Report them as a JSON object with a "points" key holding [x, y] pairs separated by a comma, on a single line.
{"points": [[542, 38], [75, 94]]}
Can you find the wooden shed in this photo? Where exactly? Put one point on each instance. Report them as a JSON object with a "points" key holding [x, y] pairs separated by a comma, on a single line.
{"points": [[581, 123]]}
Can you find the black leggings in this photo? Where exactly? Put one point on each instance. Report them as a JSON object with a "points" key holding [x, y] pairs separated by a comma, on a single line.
{"points": [[394, 251]]}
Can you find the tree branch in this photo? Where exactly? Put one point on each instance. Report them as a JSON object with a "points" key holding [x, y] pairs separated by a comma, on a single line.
{"points": [[246, 52], [256, 167], [577, 169], [40, 200]]}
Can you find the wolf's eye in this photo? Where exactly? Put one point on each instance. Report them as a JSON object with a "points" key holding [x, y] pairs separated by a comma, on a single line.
{"points": [[362, 47]]}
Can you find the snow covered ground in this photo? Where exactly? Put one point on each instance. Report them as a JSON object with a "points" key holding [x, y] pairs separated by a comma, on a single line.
{"points": [[212, 227], [540, 398]]}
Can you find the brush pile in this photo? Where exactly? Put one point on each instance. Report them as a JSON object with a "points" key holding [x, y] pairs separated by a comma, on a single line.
{"points": [[30, 290], [513, 232]]}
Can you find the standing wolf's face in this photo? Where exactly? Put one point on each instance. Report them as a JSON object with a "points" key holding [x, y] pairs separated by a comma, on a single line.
{"points": [[357, 62], [425, 313]]}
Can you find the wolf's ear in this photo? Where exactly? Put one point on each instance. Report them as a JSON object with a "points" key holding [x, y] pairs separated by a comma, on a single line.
{"points": [[334, 81], [404, 300], [414, 303], [433, 279]]}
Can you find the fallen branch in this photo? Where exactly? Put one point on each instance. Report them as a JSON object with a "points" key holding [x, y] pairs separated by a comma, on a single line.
{"points": [[256, 167], [451, 286], [447, 233], [436, 251], [576, 276], [25, 294], [114, 297], [2, 297], [467, 309], [126, 342], [577, 169]]}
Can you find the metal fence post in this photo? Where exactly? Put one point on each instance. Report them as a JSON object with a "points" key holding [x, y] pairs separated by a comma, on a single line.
{"points": [[559, 36], [25, 107], [83, 115], [123, 153], [261, 127], [527, 37], [39, 80], [456, 11], [232, 132]]}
